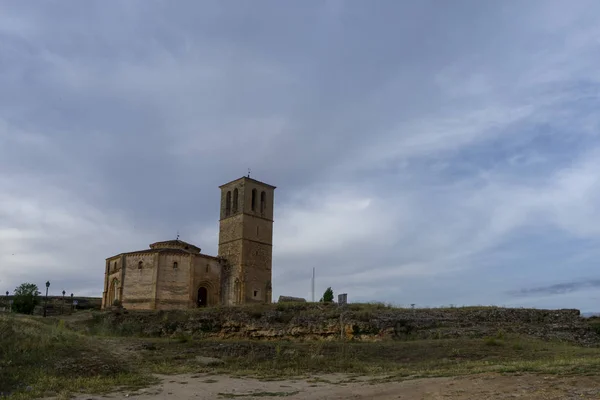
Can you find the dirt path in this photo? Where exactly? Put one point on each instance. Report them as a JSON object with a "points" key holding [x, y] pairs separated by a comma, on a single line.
{"points": [[337, 387]]}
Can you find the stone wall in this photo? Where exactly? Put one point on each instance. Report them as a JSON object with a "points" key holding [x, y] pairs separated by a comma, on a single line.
{"points": [[207, 273], [173, 281], [257, 271], [139, 281]]}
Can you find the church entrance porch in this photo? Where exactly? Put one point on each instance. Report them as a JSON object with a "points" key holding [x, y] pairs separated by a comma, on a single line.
{"points": [[202, 297]]}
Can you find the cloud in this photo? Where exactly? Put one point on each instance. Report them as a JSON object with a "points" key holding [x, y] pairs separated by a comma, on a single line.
{"points": [[557, 289], [50, 234], [427, 155]]}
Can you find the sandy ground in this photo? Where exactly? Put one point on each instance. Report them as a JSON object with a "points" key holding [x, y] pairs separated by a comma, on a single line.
{"points": [[337, 387]]}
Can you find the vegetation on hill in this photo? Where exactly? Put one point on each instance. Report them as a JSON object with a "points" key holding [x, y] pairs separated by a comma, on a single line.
{"points": [[45, 356], [38, 359], [355, 322]]}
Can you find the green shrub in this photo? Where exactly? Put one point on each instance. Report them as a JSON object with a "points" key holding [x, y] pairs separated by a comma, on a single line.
{"points": [[26, 298], [327, 296]]}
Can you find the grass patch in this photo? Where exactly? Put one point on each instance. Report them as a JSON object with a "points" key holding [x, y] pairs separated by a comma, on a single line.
{"points": [[493, 342], [38, 359], [43, 357], [418, 358]]}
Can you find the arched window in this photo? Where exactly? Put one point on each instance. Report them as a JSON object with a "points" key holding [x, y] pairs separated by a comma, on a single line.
{"points": [[228, 204], [263, 202], [140, 265], [253, 199], [175, 265], [235, 200]]}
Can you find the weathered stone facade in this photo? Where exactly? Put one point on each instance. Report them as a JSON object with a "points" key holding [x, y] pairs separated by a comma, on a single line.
{"points": [[246, 239], [175, 274]]}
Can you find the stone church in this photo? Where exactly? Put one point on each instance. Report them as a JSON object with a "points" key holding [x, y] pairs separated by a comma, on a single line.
{"points": [[175, 274]]}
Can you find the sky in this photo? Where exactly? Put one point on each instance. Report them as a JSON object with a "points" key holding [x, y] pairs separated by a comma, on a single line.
{"points": [[429, 152]]}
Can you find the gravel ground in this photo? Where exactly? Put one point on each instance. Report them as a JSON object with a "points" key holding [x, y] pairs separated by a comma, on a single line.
{"points": [[338, 387]]}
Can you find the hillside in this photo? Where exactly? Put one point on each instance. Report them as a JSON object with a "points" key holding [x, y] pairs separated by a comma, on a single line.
{"points": [[95, 352], [356, 322], [41, 357]]}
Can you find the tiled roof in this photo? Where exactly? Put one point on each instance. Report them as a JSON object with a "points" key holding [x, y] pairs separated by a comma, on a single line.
{"points": [[248, 179], [167, 250], [176, 242]]}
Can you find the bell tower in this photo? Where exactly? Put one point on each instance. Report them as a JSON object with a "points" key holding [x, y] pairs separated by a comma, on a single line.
{"points": [[246, 240]]}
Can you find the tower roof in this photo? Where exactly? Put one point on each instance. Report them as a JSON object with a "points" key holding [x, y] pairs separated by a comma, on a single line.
{"points": [[246, 178]]}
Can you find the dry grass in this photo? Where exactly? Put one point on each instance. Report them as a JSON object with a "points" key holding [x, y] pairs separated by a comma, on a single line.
{"points": [[41, 357], [38, 360], [424, 358]]}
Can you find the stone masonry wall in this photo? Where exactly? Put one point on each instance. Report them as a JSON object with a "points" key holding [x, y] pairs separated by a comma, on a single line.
{"points": [[173, 283], [257, 259], [207, 273], [138, 283]]}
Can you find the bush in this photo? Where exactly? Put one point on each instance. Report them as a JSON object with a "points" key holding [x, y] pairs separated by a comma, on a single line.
{"points": [[117, 303], [327, 296], [26, 298]]}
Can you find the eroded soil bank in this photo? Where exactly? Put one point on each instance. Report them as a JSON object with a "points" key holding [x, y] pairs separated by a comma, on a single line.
{"points": [[357, 322]]}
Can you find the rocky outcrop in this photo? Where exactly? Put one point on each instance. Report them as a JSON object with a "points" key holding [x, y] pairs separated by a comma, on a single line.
{"points": [[309, 321]]}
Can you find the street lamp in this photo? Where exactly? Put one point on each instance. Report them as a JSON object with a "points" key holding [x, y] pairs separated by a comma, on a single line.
{"points": [[46, 302], [71, 302], [63, 303]]}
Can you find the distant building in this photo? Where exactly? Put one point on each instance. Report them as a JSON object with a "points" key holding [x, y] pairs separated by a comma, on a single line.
{"points": [[288, 299], [174, 274]]}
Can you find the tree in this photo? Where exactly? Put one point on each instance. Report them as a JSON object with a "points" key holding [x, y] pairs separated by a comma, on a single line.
{"points": [[327, 296], [26, 298]]}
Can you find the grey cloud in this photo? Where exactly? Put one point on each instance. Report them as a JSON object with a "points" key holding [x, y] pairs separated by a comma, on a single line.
{"points": [[141, 109], [559, 288]]}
